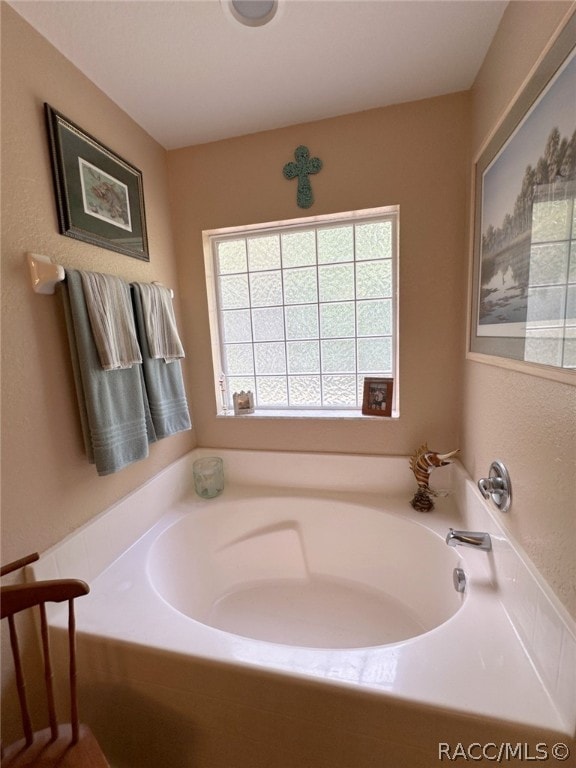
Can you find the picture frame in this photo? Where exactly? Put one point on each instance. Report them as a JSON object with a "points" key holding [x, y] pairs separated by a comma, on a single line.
{"points": [[243, 403], [522, 308], [378, 396], [99, 195]]}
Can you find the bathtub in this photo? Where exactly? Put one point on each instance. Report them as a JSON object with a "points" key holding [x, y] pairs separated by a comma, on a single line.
{"points": [[307, 617], [305, 571]]}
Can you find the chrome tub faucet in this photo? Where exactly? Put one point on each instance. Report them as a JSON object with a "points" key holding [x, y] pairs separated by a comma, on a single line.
{"points": [[475, 539]]}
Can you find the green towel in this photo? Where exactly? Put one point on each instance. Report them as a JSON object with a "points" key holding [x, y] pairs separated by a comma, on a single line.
{"points": [[164, 383], [113, 406]]}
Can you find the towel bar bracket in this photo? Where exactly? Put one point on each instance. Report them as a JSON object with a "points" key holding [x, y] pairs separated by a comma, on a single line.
{"points": [[44, 274]]}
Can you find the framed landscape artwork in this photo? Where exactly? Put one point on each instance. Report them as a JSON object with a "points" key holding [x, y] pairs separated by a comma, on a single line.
{"points": [[524, 270]]}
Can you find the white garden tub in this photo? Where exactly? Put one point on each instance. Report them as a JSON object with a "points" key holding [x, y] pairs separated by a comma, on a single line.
{"points": [[307, 618], [304, 571]]}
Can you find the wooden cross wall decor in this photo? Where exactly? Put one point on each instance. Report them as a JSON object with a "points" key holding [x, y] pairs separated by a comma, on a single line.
{"points": [[301, 169]]}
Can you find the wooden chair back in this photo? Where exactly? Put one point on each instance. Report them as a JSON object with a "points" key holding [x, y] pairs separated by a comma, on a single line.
{"points": [[66, 745]]}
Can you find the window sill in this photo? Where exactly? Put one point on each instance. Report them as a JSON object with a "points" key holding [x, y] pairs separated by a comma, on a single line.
{"points": [[353, 413]]}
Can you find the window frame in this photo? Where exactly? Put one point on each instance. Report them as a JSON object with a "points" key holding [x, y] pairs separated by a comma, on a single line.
{"points": [[211, 238]]}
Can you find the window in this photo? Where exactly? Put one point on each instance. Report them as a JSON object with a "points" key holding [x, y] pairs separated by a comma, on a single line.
{"points": [[304, 310]]}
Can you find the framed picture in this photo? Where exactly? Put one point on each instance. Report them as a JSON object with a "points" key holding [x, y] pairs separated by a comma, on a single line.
{"points": [[243, 403], [377, 400], [523, 298], [99, 195]]}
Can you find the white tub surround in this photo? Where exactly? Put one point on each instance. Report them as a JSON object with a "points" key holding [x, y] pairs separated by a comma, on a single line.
{"points": [[499, 663]]}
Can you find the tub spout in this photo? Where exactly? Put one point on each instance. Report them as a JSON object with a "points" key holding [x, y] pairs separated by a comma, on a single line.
{"points": [[475, 539]]}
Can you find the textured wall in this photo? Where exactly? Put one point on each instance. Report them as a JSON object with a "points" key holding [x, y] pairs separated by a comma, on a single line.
{"points": [[48, 488], [528, 422], [414, 155]]}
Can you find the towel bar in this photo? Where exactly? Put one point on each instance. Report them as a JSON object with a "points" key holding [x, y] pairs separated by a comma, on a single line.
{"points": [[44, 274]]}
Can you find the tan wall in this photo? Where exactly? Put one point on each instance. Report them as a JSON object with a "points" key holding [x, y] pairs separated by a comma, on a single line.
{"points": [[48, 488], [526, 421], [414, 155]]}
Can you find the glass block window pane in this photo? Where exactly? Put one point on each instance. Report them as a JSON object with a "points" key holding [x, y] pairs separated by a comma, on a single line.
{"points": [[339, 355], [234, 291], [268, 324], [236, 325], [300, 286], [339, 390], [336, 282], [301, 321], [306, 311], [337, 319], [270, 358], [232, 256], [298, 249], [374, 317], [375, 354], [264, 253], [271, 391], [266, 289], [374, 240], [305, 391], [240, 359], [335, 244], [303, 356], [373, 279]]}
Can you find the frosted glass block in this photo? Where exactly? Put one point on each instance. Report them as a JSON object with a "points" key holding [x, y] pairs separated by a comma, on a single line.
{"points": [[571, 304], [301, 321], [231, 256], [337, 319], [544, 346], [238, 359], [298, 249], [360, 388], [304, 390], [236, 326], [270, 357], [300, 286], [239, 384], [375, 354], [572, 270], [268, 324], [338, 356], [551, 220], [336, 282], [570, 348], [545, 305], [339, 390], [373, 279], [271, 390], [374, 317], [303, 357], [548, 263], [264, 253], [335, 244], [234, 291], [266, 288], [374, 240]]}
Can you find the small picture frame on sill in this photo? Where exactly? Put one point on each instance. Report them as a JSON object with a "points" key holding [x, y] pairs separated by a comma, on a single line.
{"points": [[377, 400], [243, 403]]}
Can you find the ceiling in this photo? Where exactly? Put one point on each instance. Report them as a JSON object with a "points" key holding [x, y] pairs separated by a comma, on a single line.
{"points": [[189, 73]]}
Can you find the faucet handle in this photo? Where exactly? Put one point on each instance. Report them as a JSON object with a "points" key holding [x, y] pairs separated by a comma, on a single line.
{"points": [[497, 486]]}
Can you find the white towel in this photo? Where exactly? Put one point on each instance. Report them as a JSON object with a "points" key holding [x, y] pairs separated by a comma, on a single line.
{"points": [[159, 323], [112, 320]]}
